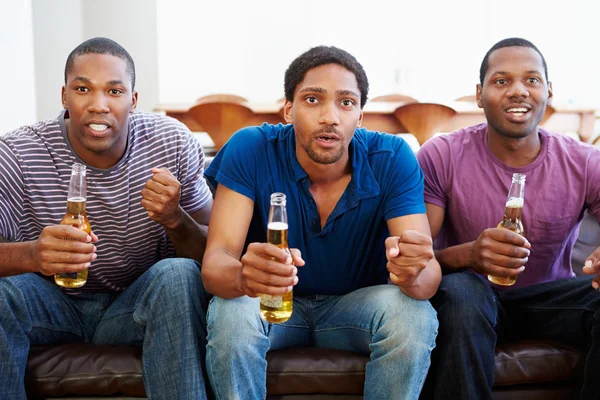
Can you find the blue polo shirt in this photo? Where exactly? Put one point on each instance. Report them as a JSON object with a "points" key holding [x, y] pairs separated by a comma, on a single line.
{"points": [[349, 252]]}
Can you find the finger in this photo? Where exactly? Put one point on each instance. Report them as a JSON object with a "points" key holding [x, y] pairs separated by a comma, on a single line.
{"points": [[407, 271], [68, 232], [509, 250], [297, 258], [268, 250], [253, 261], [255, 276], [164, 170], [157, 189], [415, 250], [164, 176], [58, 268], [391, 246], [94, 237], [497, 270], [153, 206], [596, 282], [505, 261], [272, 290], [403, 281], [415, 237], [66, 258], [66, 246], [508, 236], [590, 267]]}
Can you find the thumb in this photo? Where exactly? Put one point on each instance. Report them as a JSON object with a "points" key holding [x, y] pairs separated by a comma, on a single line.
{"points": [[391, 245], [157, 170]]}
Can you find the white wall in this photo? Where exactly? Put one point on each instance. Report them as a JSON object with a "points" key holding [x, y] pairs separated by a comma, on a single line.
{"points": [[60, 25], [430, 49], [57, 30], [17, 102], [132, 24]]}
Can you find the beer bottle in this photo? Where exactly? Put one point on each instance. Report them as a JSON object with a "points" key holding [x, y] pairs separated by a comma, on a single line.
{"points": [[513, 212], [77, 217], [277, 309]]}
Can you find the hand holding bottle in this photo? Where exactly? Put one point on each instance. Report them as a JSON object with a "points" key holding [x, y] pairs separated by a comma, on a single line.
{"points": [[500, 252], [268, 269], [52, 254]]}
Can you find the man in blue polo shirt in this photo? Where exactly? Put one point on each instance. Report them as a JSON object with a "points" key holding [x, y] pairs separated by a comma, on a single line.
{"points": [[356, 220]]}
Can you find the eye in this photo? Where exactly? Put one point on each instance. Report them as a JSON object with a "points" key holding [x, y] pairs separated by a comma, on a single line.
{"points": [[82, 89], [311, 100], [500, 81], [115, 91], [533, 80], [348, 102]]}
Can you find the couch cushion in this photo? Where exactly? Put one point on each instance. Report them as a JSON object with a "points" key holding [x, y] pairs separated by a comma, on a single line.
{"points": [[536, 362], [312, 370], [86, 369]]}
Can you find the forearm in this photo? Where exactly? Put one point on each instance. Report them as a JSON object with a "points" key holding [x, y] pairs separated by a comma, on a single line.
{"points": [[426, 284], [15, 258], [221, 273], [455, 257], [189, 237]]}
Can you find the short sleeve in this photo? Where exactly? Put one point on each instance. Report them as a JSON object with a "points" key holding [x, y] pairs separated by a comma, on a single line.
{"points": [[434, 159], [237, 163], [11, 193], [405, 187], [195, 193]]}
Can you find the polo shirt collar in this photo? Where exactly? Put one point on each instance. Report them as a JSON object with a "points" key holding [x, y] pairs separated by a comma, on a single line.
{"points": [[363, 184]]}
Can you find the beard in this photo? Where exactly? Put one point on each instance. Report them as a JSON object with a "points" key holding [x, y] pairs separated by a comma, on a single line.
{"points": [[323, 156]]}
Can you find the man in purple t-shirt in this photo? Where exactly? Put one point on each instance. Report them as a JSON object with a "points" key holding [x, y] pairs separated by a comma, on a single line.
{"points": [[467, 177]]}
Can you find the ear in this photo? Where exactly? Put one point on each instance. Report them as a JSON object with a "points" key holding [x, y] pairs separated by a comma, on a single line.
{"points": [[63, 96], [478, 91], [359, 124], [550, 93], [288, 114], [134, 100]]}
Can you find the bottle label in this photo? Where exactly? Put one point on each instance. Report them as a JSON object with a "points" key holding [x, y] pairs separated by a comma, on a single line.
{"points": [[271, 301]]}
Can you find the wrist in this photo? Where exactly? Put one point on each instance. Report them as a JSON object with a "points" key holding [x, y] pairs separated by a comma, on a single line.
{"points": [[176, 221]]}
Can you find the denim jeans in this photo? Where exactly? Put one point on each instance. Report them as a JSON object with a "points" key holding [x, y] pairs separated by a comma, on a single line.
{"points": [[163, 310], [397, 331], [474, 317]]}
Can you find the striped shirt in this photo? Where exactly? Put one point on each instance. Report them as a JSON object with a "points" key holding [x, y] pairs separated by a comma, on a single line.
{"points": [[35, 168]]}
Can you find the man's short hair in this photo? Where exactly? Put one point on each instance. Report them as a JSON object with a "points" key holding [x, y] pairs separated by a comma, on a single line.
{"points": [[322, 55], [510, 42], [101, 45]]}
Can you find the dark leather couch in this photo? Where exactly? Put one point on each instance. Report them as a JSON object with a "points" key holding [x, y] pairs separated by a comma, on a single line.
{"points": [[524, 370]]}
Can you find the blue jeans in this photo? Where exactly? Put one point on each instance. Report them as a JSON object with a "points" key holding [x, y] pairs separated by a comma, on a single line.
{"points": [[163, 310], [397, 331], [474, 317]]}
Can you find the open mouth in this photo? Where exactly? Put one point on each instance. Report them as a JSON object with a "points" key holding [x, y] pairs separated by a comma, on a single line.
{"points": [[98, 129], [518, 113]]}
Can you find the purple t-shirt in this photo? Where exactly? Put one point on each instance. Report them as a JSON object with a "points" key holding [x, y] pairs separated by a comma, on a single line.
{"points": [[464, 177]]}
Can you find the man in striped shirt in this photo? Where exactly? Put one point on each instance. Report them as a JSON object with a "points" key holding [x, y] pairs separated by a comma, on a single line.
{"points": [[147, 203]]}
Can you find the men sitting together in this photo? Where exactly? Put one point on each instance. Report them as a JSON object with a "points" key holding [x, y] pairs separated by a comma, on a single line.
{"points": [[389, 254]]}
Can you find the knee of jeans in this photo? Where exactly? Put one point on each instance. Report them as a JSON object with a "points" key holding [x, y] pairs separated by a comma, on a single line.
{"points": [[178, 277], [463, 300], [237, 317], [413, 321]]}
